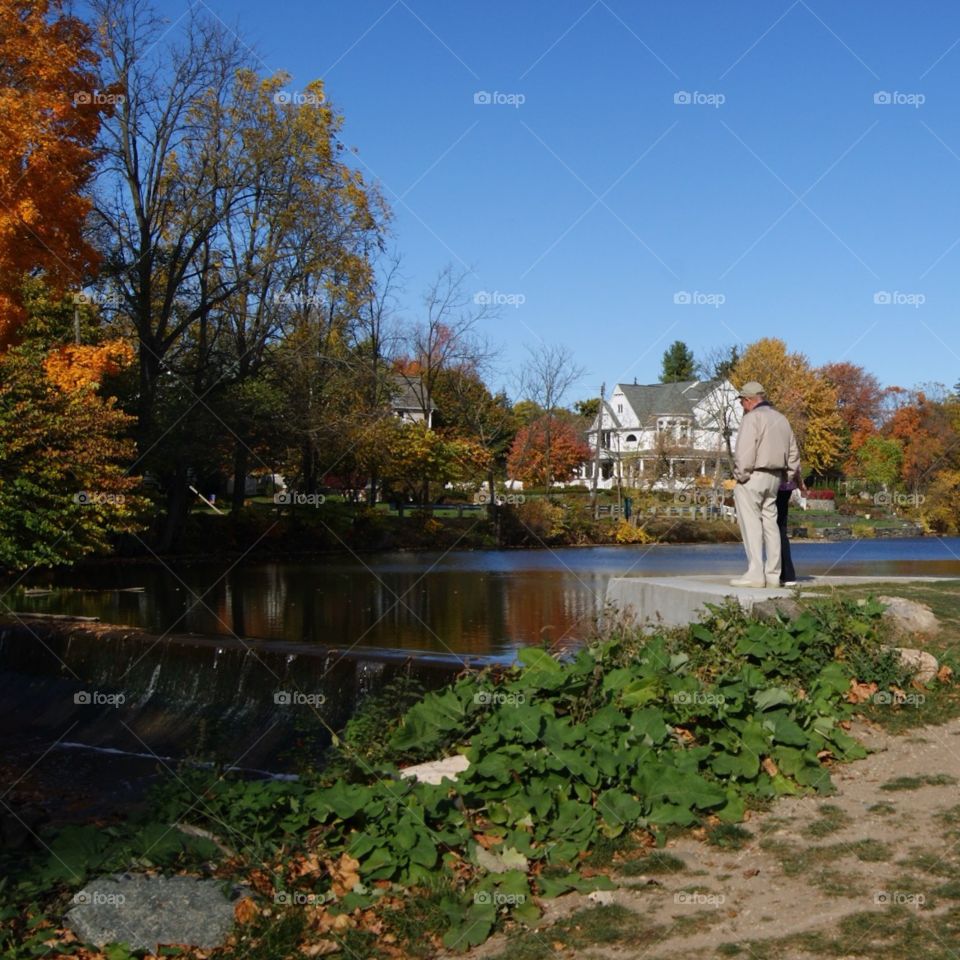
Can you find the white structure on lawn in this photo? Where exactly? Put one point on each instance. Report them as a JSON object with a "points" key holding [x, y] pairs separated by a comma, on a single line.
{"points": [[663, 436]]}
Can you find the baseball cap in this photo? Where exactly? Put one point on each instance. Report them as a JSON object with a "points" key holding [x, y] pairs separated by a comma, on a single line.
{"points": [[751, 389]]}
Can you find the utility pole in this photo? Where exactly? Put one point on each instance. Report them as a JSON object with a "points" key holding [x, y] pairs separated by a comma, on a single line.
{"points": [[596, 456], [76, 322]]}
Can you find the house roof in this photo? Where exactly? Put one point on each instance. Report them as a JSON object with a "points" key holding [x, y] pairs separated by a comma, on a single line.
{"points": [[408, 394], [666, 399]]}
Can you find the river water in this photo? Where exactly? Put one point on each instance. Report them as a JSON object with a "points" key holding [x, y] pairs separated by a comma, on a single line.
{"points": [[485, 603]]}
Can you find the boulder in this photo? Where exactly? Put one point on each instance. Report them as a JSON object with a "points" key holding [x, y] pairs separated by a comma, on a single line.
{"points": [[144, 911], [908, 618], [923, 664], [775, 609]]}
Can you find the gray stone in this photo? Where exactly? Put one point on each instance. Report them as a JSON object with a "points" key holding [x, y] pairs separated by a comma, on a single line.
{"points": [[909, 618], [144, 911], [923, 664], [771, 611]]}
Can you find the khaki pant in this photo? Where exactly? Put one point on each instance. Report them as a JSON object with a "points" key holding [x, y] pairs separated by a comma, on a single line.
{"points": [[756, 502]]}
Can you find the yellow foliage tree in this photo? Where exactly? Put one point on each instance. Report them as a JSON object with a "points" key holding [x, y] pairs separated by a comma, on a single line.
{"points": [[805, 397]]}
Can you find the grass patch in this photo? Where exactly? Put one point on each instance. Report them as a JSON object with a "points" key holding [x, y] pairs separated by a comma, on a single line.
{"points": [[830, 820], [882, 809], [915, 783], [728, 836], [610, 924], [657, 862]]}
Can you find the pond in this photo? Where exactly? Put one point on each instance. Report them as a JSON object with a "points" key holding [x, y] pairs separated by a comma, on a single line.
{"points": [[484, 603]]}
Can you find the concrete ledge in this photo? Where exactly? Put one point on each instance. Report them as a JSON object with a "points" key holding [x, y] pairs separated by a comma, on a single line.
{"points": [[678, 601]]}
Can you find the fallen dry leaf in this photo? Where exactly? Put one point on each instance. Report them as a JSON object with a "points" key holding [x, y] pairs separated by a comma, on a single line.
{"points": [[487, 840], [345, 874], [860, 692], [944, 674], [752, 872], [320, 949], [245, 910], [769, 766]]}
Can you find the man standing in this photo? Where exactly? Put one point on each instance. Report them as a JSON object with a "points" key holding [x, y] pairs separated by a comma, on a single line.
{"points": [[765, 456]]}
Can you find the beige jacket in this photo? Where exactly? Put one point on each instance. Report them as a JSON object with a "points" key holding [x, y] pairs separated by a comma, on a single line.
{"points": [[765, 440]]}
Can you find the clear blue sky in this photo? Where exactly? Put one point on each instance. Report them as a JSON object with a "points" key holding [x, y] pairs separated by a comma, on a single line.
{"points": [[599, 201]]}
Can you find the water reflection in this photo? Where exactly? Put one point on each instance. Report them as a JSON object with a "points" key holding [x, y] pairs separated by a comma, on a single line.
{"points": [[477, 603]]}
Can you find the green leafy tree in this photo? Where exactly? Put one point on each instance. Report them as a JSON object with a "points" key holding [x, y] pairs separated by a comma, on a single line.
{"points": [[678, 363], [880, 459]]}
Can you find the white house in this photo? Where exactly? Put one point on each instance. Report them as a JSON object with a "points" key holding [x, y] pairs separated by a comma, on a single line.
{"points": [[409, 401], [664, 435]]}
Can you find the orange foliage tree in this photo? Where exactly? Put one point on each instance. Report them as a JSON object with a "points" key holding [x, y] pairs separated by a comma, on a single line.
{"points": [[51, 117], [547, 450]]}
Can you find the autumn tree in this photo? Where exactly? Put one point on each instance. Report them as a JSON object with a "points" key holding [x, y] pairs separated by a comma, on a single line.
{"points": [[547, 450], [65, 456], [805, 397], [547, 377], [51, 108], [927, 433], [678, 363]]}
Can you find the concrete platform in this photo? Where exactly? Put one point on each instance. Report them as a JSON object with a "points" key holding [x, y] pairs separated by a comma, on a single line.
{"points": [[677, 601]]}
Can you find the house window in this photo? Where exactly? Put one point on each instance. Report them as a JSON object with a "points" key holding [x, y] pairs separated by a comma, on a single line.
{"points": [[619, 408], [631, 438]]}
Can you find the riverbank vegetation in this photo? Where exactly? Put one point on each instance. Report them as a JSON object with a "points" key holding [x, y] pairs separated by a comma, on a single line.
{"points": [[618, 746]]}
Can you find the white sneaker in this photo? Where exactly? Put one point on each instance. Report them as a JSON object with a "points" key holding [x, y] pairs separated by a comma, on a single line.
{"points": [[741, 582], [788, 583]]}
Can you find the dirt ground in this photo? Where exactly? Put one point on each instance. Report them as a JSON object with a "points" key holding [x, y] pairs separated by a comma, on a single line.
{"points": [[862, 873]]}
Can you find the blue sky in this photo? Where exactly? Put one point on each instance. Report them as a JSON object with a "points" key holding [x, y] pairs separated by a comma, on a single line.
{"points": [[781, 199]]}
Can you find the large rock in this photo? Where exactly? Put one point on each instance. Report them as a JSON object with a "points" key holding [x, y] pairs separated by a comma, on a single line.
{"points": [[907, 618], [772, 611], [924, 665], [144, 911]]}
